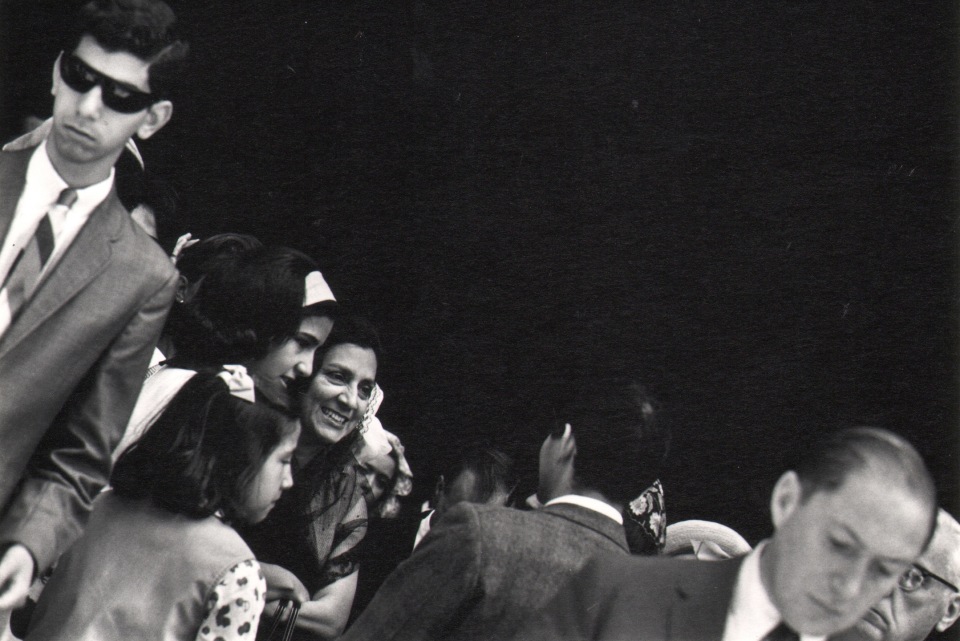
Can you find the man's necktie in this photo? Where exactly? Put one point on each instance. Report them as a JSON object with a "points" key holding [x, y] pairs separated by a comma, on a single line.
{"points": [[25, 272], [782, 632]]}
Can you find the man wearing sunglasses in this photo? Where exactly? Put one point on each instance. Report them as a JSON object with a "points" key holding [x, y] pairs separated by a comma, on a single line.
{"points": [[927, 597], [83, 290]]}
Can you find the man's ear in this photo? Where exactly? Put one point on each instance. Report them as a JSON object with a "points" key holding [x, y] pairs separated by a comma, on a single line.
{"points": [[158, 115], [787, 495], [55, 81], [441, 485], [568, 443], [951, 614]]}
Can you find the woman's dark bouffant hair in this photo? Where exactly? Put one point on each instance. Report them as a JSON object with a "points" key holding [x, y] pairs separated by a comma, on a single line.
{"points": [[246, 303], [202, 452], [352, 330]]}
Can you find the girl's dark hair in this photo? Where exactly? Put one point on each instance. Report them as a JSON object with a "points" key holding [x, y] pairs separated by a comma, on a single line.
{"points": [[247, 302], [203, 451]]}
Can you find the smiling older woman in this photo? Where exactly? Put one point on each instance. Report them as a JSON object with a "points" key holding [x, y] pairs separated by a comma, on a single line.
{"points": [[306, 545]]}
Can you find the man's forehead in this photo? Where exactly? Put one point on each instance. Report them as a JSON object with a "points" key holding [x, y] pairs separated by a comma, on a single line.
{"points": [[942, 556], [121, 66], [881, 515]]}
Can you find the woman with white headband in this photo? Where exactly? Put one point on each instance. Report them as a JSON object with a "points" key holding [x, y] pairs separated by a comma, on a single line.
{"points": [[265, 309]]}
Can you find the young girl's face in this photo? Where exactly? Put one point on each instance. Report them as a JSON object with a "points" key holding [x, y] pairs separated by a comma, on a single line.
{"points": [[271, 480]]}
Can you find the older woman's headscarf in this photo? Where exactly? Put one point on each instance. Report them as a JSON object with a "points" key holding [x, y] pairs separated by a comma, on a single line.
{"points": [[377, 442]]}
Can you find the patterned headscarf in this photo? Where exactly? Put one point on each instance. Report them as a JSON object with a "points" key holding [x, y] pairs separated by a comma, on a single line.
{"points": [[645, 521], [376, 442]]}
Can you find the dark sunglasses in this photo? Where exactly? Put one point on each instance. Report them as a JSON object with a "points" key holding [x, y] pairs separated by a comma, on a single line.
{"points": [[118, 96], [913, 578]]}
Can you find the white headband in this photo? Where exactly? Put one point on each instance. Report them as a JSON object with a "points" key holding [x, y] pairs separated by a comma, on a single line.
{"points": [[316, 290]]}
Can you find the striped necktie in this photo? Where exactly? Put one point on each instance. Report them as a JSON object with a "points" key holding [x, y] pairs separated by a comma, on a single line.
{"points": [[24, 274]]}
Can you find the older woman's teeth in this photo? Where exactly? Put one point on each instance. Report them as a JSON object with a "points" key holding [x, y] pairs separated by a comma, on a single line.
{"points": [[339, 419]]}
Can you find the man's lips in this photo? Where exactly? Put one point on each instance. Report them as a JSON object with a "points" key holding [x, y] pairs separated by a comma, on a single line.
{"points": [[77, 132], [874, 618], [826, 607]]}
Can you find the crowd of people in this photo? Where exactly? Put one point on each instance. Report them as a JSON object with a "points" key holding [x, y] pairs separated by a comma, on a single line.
{"points": [[190, 447]]}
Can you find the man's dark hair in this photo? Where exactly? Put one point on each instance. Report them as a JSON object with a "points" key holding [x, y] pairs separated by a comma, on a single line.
{"points": [[203, 451], [621, 438], [832, 459], [492, 468], [144, 28]]}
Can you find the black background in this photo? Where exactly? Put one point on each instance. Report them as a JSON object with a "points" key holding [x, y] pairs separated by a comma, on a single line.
{"points": [[757, 205]]}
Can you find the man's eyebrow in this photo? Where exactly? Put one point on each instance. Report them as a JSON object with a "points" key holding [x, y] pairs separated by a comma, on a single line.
{"points": [[859, 542]]}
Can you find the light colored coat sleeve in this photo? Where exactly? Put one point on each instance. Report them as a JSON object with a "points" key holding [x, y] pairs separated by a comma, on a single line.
{"points": [[72, 462]]}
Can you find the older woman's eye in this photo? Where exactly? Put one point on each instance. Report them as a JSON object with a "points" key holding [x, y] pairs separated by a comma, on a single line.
{"points": [[366, 391], [335, 376]]}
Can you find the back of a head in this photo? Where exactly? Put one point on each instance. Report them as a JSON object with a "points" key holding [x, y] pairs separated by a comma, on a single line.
{"points": [[867, 450], [195, 260], [144, 28], [943, 554], [620, 435], [202, 451], [247, 302], [493, 475]]}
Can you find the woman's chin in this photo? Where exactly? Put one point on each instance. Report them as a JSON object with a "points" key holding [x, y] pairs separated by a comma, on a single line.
{"points": [[331, 434]]}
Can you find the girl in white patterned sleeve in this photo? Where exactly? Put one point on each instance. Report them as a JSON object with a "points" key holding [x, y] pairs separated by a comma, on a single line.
{"points": [[159, 558]]}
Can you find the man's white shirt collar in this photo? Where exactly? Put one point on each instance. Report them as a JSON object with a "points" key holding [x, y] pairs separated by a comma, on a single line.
{"points": [[43, 175], [752, 615], [591, 504]]}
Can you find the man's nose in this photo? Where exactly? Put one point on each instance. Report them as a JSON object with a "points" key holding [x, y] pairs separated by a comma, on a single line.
{"points": [[90, 103]]}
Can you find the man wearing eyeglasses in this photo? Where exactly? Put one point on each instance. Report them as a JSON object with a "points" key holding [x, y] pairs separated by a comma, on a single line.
{"points": [[849, 519], [927, 597], [83, 290]]}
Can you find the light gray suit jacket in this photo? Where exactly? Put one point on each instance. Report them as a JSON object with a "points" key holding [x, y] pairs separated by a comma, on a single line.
{"points": [[483, 571], [71, 367]]}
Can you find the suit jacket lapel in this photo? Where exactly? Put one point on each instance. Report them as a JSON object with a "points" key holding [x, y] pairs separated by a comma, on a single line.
{"points": [[13, 173], [86, 257], [700, 608]]}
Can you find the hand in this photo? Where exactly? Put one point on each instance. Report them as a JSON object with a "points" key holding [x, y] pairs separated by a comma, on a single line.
{"points": [[282, 584], [16, 574]]}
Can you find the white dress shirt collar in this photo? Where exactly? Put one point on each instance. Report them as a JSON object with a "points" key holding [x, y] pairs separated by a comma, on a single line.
{"points": [[589, 503], [752, 615]]}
